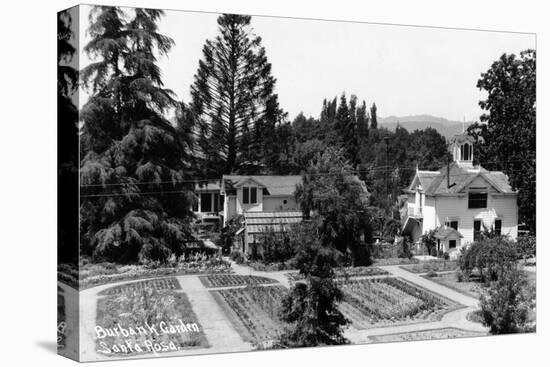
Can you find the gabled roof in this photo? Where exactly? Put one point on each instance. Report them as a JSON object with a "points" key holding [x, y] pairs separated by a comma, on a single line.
{"points": [[435, 182], [275, 185], [443, 232]]}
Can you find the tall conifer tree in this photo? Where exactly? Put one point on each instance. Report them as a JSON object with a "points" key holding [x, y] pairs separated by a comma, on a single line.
{"points": [[136, 204], [233, 98]]}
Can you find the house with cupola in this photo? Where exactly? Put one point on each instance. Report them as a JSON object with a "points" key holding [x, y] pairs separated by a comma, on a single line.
{"points": [[459, 201]]}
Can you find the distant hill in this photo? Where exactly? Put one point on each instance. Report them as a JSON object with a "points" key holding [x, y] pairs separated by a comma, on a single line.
{"points": [[445, 127]]}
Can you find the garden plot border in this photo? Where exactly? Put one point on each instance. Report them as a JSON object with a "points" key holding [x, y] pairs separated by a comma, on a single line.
{"points": [[470, 334], [257, 281]]}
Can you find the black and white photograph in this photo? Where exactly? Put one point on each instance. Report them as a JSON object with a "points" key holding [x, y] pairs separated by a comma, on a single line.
{"points": [[237, 183]]}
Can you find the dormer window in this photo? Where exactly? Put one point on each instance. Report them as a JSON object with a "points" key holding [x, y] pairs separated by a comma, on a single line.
{"points": [[250, 195]]}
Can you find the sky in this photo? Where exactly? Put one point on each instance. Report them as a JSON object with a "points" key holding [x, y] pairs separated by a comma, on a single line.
{"points": [[405, 70]]}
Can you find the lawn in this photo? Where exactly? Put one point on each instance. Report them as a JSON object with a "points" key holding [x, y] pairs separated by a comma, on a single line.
{"points": [[390, 301], [146, 317], [446, 333], [230, 280], [472, 288], [433, 265], [253, 311]]}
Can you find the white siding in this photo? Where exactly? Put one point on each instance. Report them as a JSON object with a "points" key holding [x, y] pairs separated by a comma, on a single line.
{"points": [[241, 207], [277, 203], [498, 206]]}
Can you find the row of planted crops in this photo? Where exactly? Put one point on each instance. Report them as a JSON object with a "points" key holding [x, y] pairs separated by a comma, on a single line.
{"points": [[368, 303]]}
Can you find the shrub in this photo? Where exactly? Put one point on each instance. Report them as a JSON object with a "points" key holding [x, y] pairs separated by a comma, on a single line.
{"points": [[237, 256], [429, 242], [405, 248], [526, 246], [506, 305], [486, 257], [431, 274]]}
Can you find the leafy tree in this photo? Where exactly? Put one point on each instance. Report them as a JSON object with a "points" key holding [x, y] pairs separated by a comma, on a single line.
{"points": [[234, 101], [311, 307], [507, 304], [509, 137], [339, 199], [275, 246], [135, 203], [306, 153], [67, 137]]}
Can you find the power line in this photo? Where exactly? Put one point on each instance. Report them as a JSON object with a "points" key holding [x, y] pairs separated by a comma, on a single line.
{"points": [[218, 180]]}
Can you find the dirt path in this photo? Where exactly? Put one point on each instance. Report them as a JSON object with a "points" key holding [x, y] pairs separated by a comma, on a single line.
{"points": [[219, 331]]}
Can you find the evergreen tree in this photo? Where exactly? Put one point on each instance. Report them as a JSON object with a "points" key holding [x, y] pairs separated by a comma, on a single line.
{"points": [[351, 138], [67, 137], [311, 307], [373, 118], [362, 125], [234, 101], [341, 122], [136, 204]]}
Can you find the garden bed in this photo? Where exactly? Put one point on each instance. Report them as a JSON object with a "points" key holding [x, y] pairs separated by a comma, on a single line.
{"points": [[389, 301], [350, 272], [446, 333], [144, 318], [160, 284], [253, 311], [395, 261], [432, 265], [92, 275], [231, 280]]}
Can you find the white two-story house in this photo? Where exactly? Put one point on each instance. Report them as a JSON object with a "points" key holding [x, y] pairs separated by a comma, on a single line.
{"points": [[459, 201]]}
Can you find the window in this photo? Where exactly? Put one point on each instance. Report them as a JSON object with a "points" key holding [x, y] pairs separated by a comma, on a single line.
{"points": [[253, 195], [250, 195], [477, 230], [452, 244], [498, 227], [216, 203], [206, 202], [245, 195], [477, 200], [452, 223]]}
